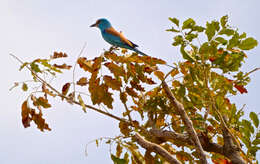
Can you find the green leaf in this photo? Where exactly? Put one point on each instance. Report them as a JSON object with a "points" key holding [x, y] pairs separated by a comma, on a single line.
{"points": [[248, 43], [242, 36], [178, 40], [191, 36], [175, 21], [221, 40], [22, 66], [256, 142], [210, 30], [226, 31], [253, 150], [172, 30], [234, 41], [185, 55], [189, 23], [253, 116], [198, 28], [118, 160], [35, 67], [223, 21], [25, 87], [248, 126]]}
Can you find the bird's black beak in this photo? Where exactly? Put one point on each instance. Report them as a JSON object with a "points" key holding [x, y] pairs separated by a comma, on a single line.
{"points": [[94, 25]]}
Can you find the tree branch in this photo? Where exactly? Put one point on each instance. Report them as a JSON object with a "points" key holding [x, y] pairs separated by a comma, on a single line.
{"points": [[65, 97], [155, 148], [204, 140], [192, 133]]}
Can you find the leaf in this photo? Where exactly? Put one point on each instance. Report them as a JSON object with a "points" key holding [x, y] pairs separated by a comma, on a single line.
{"points": [[189, 23], [24, 87], [178, 40], [115, 69], [82, 103], [40, 122], [174, 72], [23, 65], [210, 30], [82, 81], [175, 21], [112, 83], [25, 114], [118, 150], [185, 55], [221, 40], [58, 55], [227, 32], [63, 66], [65, 89], [253, 116], [35, 67], [223, 21], [117, 160], [41, 101], [131, 92], [124, 129], [248, 43], [159, 74], [123, 97], [240, 88], [85, 64], [256, 142]]}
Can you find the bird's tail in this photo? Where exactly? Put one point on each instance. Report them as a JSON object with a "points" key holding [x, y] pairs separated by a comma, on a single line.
{"points": [[139, 52]]}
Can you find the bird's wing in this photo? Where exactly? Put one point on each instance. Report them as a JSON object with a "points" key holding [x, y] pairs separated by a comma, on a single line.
{"points": [[112, 31]]}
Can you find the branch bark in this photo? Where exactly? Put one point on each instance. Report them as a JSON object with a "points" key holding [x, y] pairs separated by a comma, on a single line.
{"points": [[192, 133], [155, 148]]}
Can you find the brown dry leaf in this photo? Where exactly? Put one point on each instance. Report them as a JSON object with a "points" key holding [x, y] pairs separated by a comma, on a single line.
{"points": [[40, 122], [25, 114], [65, 89], [58, 55], [82, 81], [115, 69], [85, 64], [63, 66], [112, 83], [131, 92]]}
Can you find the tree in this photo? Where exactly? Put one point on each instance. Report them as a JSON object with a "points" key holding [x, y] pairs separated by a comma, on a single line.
{"points": [[183, 115]]}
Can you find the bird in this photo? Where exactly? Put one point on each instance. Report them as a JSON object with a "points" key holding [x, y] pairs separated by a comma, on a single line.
{"points": [[114, 37]]}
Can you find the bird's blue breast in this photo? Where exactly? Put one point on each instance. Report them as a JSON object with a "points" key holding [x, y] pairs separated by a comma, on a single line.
{"points": [[114, 40]]}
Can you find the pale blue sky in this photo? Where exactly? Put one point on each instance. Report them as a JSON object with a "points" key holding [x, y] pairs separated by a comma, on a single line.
{"points": [[32, 29]]}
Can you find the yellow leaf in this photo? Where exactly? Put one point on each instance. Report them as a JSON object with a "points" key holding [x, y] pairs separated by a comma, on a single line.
{"points": [[174, 72], [159, 74], [82, 103]]}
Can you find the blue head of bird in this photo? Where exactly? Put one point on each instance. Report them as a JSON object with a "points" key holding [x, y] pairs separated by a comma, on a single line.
{"points": [[102, 24]]}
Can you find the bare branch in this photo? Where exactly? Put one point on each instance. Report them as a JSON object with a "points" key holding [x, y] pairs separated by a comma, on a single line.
{"points": [[192, 133], [155, 148]]}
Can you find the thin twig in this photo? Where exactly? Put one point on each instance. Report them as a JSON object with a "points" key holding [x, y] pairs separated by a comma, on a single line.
{"points": [[74, 68], [65, 97]]}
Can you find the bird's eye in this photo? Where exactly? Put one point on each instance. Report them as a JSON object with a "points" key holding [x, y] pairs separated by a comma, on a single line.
{"points": [[98, 21]]}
